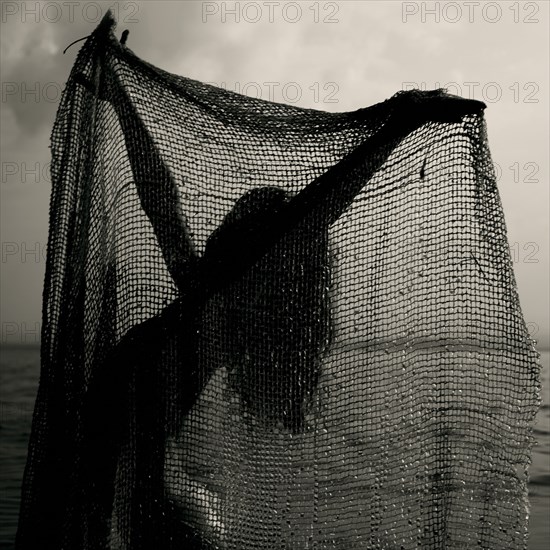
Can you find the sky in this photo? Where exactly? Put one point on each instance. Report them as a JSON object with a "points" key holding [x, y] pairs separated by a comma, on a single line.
{"points": [[333, 56]]}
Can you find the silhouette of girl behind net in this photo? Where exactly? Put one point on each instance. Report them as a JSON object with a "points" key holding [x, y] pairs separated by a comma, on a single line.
{"points": [[262, 280]]}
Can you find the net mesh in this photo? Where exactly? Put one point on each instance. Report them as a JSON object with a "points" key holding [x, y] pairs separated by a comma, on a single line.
{"points": [[270, 327]]}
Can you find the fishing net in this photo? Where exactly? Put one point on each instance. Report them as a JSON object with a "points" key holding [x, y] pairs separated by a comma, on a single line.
{"points": [[269, 327]]}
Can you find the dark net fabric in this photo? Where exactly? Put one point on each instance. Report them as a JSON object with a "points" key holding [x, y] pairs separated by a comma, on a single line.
{"points": [[268, 327]]}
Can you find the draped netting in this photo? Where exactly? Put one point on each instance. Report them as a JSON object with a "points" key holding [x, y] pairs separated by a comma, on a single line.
{"points": [[269, 327]]}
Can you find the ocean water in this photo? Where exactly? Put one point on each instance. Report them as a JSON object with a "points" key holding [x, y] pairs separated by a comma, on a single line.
{"points": [[19, 373]]}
